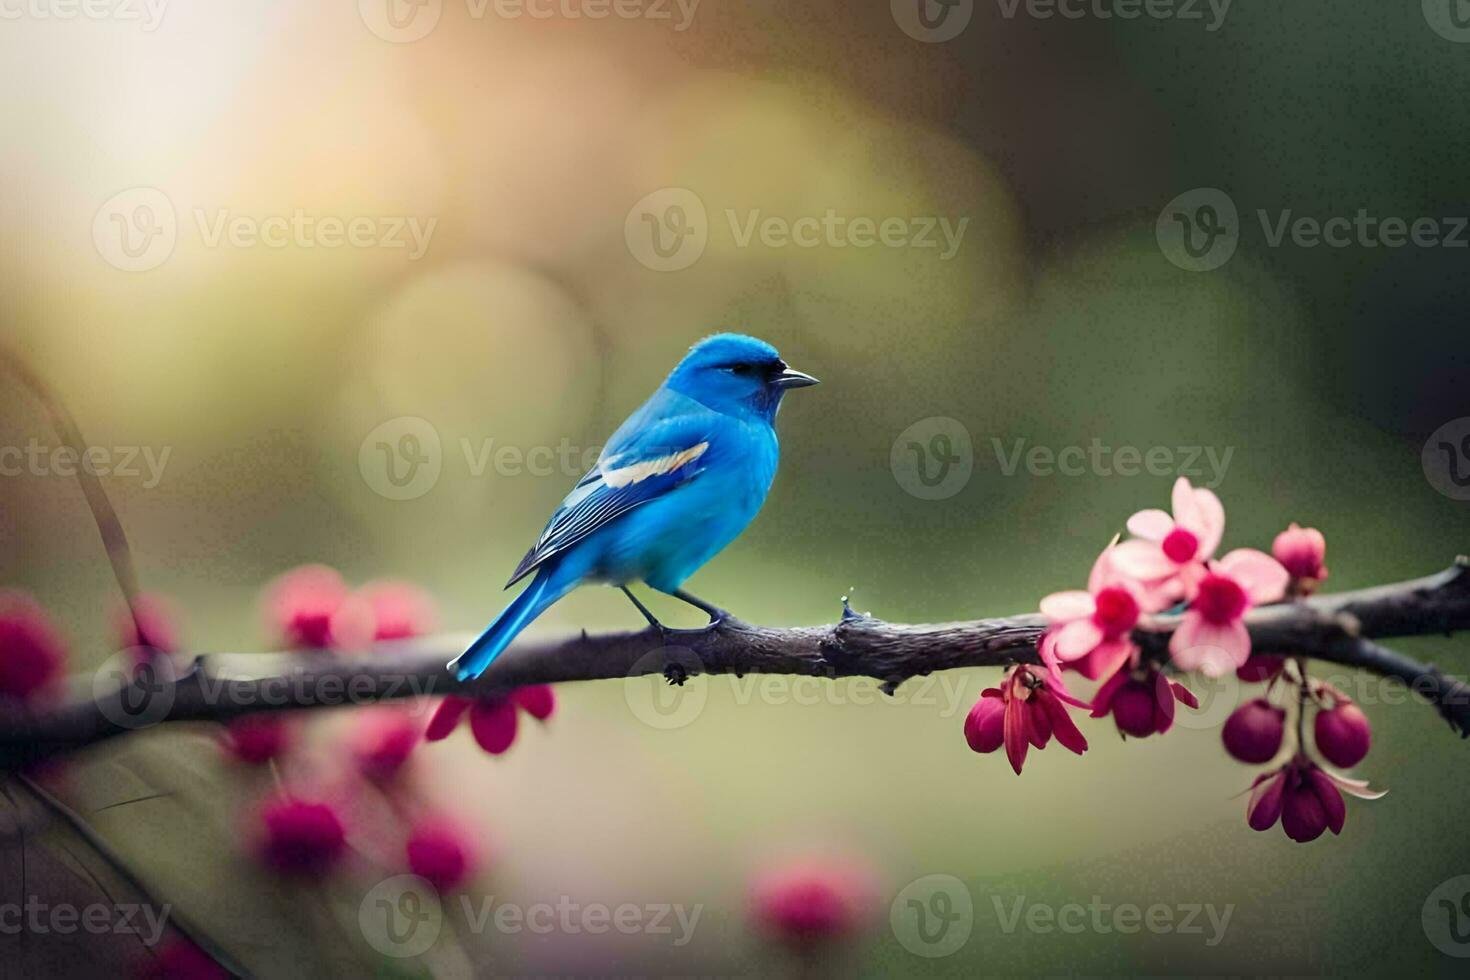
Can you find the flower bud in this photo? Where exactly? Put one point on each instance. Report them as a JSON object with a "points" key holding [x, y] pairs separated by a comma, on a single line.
{"points": [[1134, 709], [1302, 550], [300, 837], [1343, 734], [1253, 732], [32, 653], [440, 854], [259, 738], [984, 725]]}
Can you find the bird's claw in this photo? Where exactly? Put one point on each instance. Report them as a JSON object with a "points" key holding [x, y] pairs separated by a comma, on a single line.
{"points": [[676, 675]]}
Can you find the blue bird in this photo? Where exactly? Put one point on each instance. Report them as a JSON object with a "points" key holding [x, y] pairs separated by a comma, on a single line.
{"points": [[679, 480]]}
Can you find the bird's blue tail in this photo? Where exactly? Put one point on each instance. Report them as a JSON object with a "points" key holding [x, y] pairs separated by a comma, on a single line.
{"points": [[512, 619]]}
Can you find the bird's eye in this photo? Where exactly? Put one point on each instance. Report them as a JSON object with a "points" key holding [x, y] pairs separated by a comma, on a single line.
{"points": [[740, 369]]}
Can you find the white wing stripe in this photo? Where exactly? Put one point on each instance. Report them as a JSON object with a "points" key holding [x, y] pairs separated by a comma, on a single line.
{"points": [[638, 472]]}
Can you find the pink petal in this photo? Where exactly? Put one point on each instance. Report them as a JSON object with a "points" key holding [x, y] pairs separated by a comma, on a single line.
{"points": [[1355, 787], [1207, 647], [1164, 698], [1332, 803], [1015, 733], [1103, 573], [1106, 659], [1202, 513], [1152, 524], [1062, 725], [493, 723], [1263, 578], [1142, 560], [1077, 639], [446, 716], [1038, 723], [1184, 694], [1102, 701], [1264, 808], [1060, 607]]}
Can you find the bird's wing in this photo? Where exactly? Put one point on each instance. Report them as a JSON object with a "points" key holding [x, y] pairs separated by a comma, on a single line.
{"points": [[634, 469]]}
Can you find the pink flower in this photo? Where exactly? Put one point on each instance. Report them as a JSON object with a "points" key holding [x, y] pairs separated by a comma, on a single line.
{"points": [[1168, 553], [492, 719], [32, 654], [1254, 731], [440, 854], [307, 608], [1342, 734], [1302, 550], [811, 901], [1091, 631], [1032, 712], [400, 610], [179, 959], [298, 837], [1141, 701], [1305, 798], [156, 615], [383, 741], [1212, 637], [257, 739]]}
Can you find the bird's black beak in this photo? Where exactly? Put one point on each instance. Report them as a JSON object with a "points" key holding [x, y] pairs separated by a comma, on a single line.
{"points": [[792, 378]]}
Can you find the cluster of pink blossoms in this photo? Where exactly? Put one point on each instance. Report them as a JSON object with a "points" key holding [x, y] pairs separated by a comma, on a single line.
{"points": [[1169, 564]]}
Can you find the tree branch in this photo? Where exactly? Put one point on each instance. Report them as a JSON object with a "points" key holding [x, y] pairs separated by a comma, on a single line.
{"points": [[1336, 628]]}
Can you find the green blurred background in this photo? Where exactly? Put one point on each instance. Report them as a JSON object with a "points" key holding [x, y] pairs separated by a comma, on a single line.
{"points": [[531, 321]]}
